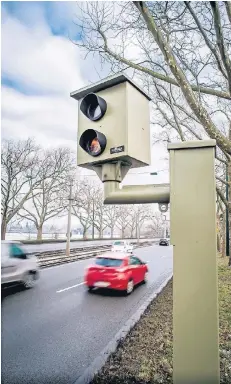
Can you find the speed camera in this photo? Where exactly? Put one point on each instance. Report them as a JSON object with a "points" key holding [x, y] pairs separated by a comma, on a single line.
{"points": [[113, 123]]}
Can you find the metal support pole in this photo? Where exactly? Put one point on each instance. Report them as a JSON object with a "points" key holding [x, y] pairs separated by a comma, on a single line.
{"points": [[69, 223], [136, 194], [195, 283], [227, 214]]}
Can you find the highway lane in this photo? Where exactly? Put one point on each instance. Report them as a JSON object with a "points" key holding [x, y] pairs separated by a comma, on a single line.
{"points": [[52, 333], [56, 246], [74, 244]]}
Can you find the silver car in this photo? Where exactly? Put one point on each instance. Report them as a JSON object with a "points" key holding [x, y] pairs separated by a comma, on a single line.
{"points": [[17, 266], [122, 246]]}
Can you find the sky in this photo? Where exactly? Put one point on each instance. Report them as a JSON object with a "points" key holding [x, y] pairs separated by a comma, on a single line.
{"points": [[40, 67]]}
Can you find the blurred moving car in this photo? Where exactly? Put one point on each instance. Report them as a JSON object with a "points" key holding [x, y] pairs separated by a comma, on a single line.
{"points": [[17, 266], [163, 242], [119, 271], [122, 246]]}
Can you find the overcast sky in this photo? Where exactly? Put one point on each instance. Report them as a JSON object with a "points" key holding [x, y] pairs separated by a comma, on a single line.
{"points": [[40, 67]]}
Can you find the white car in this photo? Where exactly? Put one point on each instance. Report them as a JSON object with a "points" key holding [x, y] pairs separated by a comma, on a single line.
{"points": [[122, 246], [17, 266]]}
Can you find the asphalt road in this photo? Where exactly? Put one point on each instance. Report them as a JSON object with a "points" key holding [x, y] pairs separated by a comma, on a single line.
{"points": [[74, 244], [55, 246], [50, 334]]}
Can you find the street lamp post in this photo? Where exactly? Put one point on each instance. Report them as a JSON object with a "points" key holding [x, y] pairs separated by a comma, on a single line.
{"points": [[69, 222]]}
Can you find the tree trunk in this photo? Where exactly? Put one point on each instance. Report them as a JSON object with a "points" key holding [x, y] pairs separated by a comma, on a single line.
{"points": [[218, 233], [218, 243], [112, 232], [100, 231], [3, 229], [229, 199], [136, 234], [223, 245], [40, 232], [84, 233], [229, 234]]}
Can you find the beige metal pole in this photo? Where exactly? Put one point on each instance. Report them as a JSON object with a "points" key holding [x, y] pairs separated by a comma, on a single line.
{"points": [[193, 236], [135, 194]]}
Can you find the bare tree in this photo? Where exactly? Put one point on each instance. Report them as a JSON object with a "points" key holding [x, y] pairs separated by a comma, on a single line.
{"points": [[180, 51], [84, 203], [20, 175], [99, 220], [49, 197], [142, 214], [124, 218], [138, 215], [156, 224], [111, 215]]}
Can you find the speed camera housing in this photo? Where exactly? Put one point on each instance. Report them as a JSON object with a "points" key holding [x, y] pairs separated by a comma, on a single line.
{"points": [[113, 123]]}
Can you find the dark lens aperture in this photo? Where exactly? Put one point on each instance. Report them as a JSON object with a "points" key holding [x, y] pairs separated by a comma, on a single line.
{"points": [[94, 111]]}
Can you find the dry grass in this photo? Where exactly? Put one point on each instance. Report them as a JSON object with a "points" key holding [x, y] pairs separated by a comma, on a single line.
{"points": [[224, 282], [145, 356]]}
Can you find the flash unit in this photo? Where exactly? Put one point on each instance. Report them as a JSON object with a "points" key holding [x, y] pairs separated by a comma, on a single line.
{"points": [[93, 142]]}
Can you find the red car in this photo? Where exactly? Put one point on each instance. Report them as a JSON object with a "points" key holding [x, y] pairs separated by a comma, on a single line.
{"points": [[120, 271]]}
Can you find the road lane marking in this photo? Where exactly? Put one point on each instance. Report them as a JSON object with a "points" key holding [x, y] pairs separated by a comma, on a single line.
{"points": [[67, 289]]}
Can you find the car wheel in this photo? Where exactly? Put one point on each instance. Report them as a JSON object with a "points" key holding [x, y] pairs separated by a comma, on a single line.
{"points": [[130, 287], [145, 278], [90, 289], [29, 280]]}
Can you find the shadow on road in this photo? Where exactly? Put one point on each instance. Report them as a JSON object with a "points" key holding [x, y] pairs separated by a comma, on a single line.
{"points": [[110, 292], [11, 290]]}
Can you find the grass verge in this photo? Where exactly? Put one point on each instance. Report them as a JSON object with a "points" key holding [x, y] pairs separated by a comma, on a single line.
{"points": [[145, 355]]}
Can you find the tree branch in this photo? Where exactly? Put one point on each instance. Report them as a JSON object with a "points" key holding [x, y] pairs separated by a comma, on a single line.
{"points": [[220, 40], [228, 9], [156, 75], [207, 42], [222, 196], [223, 181], [186, 89]]}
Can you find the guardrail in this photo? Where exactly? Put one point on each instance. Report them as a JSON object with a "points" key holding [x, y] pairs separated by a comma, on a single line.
{"points": [[52, 258]]}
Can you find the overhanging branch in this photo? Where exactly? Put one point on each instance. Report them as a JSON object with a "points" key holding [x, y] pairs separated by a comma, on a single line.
{"points": [[186, 89], [159, 76]]}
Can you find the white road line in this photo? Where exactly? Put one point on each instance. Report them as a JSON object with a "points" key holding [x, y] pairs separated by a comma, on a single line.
{"points": [[67, 289]]}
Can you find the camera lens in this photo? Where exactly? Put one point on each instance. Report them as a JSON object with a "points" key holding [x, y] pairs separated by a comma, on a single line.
{"points": [[94, 147]]}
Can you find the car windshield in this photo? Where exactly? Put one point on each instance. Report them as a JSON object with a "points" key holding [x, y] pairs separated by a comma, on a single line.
{"points": [[108, 262], [118, 243]]}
